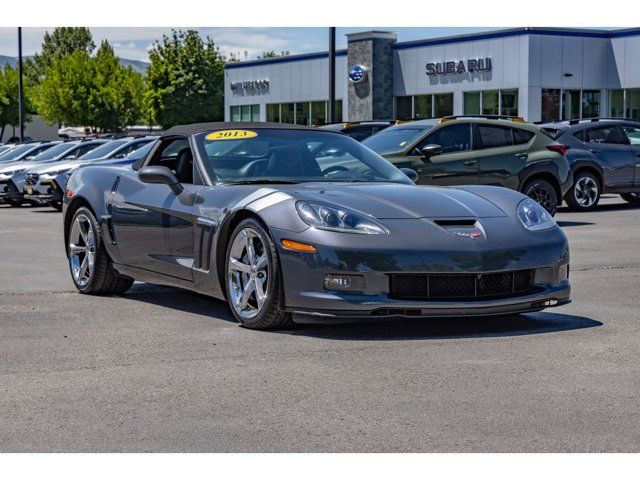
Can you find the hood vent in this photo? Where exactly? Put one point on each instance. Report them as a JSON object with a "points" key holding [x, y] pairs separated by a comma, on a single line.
{"points": [[448, 223]]}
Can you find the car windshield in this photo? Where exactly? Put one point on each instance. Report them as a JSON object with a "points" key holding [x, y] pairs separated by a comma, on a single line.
{"points": [[393, 139], [291, 156], [53, 152], [104, 150], [16, 152], [140, 152]]}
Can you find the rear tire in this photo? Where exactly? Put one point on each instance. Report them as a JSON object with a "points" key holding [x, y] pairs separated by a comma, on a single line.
{"points": [[252, 278], [584, 194], [92, 271], [542, 192], [632, 198]]}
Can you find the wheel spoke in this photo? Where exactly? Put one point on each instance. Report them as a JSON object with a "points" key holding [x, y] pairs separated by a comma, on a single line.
{"points": [[84, 267], [238, 266], [251, 255], [262, 262], [76, 249], [261, 297], [249, 288]]}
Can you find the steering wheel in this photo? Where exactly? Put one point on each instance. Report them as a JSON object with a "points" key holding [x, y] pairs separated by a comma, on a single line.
{"points": [[333, 170], [255, 167]]}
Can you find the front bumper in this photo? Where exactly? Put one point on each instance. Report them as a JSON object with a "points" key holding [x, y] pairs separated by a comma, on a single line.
{"points": [[45, 190], [416, 248], [9, 191]]}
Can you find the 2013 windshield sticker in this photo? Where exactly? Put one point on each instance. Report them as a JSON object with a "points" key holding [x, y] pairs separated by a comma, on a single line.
{"points": [[231, 135]]}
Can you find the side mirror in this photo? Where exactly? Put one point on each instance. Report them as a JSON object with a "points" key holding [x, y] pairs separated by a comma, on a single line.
{"points": [[158, 174], [431, 150], [412, 174]]}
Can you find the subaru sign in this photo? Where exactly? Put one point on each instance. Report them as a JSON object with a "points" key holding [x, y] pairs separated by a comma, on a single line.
{"points": [[357, 73]]}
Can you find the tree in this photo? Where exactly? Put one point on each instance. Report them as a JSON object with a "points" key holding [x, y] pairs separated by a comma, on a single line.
{"points": [[61, 42], [117, 94], [272, 54], [97, 92], [185, 79], [9, 99]]}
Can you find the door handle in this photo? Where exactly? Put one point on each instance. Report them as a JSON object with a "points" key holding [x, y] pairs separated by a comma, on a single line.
{"points": [[522, 156], [594, 151], [469, 163]]}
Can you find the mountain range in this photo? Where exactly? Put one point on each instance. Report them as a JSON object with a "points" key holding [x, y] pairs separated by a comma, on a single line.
{"points": [[137, 65]]}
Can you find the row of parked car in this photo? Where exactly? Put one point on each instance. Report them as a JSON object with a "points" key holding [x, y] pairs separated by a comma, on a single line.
{"points": [[575, 161], [37, 172]]}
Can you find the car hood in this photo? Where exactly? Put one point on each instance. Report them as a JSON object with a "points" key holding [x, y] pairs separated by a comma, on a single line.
{"points": [[398, 201], [11, 166], [46, 167]]}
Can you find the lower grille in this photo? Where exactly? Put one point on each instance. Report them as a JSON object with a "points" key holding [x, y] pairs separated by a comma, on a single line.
{"points": [[421, 286], [31, 179]]}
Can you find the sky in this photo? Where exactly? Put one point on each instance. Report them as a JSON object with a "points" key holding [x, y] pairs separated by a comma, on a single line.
{"points": [[134, 43]]}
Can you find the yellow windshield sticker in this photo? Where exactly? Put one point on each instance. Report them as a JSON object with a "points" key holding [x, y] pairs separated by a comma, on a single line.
{"points": [[231, 135]]}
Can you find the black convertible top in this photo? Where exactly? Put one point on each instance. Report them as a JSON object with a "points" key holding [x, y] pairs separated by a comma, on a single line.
{"points": [[194, 128]]}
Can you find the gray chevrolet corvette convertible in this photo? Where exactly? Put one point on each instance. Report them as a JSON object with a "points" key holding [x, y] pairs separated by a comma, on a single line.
{"points": [[291, 223]]}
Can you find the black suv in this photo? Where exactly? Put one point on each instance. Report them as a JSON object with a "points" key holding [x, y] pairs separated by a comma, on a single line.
{"points": [[358, 130], [604, 155]]}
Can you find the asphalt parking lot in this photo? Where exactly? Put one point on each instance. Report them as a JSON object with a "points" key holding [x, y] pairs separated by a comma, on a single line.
{"points": [[160, 369]]}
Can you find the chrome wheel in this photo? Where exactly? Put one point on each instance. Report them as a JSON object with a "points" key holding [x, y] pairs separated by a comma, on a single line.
{"points": [[248, 273], [82, 250], [585, 191]]}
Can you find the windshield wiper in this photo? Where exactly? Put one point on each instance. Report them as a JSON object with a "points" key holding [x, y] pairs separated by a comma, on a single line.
{"points": [[258, 181]]}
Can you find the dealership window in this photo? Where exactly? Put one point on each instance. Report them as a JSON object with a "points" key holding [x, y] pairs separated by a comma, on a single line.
{"points": [[404, 108], [550, 104], [491, 102], [616, 103], [590, 103], [424, 106], [273, 112], [633, 104], [245, 113], [287, 113], [625, 103], [472, 103], [303, 113]]}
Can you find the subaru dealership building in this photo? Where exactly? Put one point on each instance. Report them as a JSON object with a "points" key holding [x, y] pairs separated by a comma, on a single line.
{"points": [[536, 73]]}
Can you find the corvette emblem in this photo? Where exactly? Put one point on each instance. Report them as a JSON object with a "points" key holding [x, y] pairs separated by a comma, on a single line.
{"points": [[473, 235]]}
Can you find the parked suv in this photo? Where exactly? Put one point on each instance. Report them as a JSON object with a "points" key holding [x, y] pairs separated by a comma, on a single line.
{"points": [[358, 130], [604, 155], [483, 150]]}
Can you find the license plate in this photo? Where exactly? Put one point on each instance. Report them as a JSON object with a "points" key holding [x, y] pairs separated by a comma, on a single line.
{"points": [[29, 190]]}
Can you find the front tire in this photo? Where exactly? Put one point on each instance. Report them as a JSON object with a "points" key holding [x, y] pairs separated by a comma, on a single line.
{"points": [[542, 192], [91, 268], [584, 194], [252, 278], [632, 198]]}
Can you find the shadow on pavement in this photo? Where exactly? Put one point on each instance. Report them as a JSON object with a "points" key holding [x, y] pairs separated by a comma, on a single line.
{"points": [[395, 329], [573, 224], [426, 328], [177, 299]]}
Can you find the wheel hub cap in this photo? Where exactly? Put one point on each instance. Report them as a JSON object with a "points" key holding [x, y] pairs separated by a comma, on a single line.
{"points": [[586, 191], [248, 273], [82, 245]]}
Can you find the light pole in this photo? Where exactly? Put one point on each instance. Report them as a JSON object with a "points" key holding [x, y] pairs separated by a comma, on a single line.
{"points": [[332, 75], [20, 106]]}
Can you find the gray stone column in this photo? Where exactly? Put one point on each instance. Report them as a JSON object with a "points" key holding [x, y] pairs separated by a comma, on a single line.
{"points": [[371, 98]]}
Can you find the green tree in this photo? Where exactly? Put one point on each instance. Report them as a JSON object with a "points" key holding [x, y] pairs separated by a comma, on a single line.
{"points": [[97, 92], [9, 99], [116, 99], [185, 79], [62, 41]]}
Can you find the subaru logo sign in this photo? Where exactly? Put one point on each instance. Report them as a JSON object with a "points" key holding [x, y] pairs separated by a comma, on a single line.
{"points": [[357, 73]]}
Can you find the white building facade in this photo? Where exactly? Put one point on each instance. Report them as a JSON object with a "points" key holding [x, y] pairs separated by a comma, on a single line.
{"points": [[540, 74]]}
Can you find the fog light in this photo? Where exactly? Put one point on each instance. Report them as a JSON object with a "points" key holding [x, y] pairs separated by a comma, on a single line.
{"points": [[348, 283]]}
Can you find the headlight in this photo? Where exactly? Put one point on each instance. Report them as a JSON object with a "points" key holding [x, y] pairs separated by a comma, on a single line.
{"points": [[328, 217], [534, 217]]}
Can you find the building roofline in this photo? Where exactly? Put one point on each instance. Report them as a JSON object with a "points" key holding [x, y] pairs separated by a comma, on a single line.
{"points": [[468, 37]]}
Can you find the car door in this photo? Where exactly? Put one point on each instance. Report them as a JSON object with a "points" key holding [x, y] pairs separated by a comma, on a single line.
{"points": [[610, 147], [501, 153], [153, 226], [632, 133], [455, 166]]}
